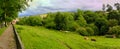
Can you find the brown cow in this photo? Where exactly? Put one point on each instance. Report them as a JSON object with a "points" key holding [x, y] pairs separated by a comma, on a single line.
{"points": [[93, 39]]}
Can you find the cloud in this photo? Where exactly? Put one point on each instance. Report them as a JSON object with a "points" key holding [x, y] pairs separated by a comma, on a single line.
{"points": [[44, 6]]}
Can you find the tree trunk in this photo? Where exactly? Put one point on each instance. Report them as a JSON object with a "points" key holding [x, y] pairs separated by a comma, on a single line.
{"points": [[5, 20], [6, 24]]}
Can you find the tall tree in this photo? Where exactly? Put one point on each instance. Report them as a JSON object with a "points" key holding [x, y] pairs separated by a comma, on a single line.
{"points": [[117, 5], [11, 8], [103, 8], [109, 8]]}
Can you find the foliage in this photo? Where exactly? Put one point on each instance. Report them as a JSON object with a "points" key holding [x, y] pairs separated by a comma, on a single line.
{"points": [[33, 21], [90, 31], [117, 5], [85, 31], [49, 20], [114, 15], [114, 30], [94, 28], [78, 17], [2, 30], [74, 26], [86, 23], [11, 8], [112, 22], [90, 16], [101, 23], [109, 8], [82, 31], [63, 20]]}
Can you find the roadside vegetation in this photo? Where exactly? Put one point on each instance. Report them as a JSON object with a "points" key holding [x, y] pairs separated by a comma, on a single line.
{"points": [[2, 30]]}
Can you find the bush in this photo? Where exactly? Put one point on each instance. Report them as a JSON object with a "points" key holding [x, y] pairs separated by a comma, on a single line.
{"points": [[102, 25], [94, 28], [90, 31], [22, 21], [90, 16], [85, 31], [80, 19], [114, 30], [32, 21], [112, 22], [82, 31], [49, 21], [74, 26], [63, 20]]}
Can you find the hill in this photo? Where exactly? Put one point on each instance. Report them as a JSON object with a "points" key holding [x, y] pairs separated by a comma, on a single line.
{"points": [[42, 38]]}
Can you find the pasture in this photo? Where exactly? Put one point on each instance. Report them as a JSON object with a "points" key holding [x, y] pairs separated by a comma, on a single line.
{"points": [[42, 38]]}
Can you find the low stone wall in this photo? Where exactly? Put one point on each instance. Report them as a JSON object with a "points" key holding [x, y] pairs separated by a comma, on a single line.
{"points": [[17, 38]]}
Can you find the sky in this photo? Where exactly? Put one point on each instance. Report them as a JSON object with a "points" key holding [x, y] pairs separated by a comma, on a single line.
{"points": [[45, 6]]}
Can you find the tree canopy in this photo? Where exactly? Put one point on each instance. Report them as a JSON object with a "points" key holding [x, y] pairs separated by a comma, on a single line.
{"points": [[9, 9]]}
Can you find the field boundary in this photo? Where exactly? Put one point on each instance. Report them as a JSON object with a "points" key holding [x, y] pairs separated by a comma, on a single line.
{"points": [[17, 38]]}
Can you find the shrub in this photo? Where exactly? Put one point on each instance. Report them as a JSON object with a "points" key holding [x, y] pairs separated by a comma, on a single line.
{"points": [[82, 31], [94, 28], [102, 23], [63, 20], [49, 21], [90, 31], [90, 16], [112, 22], [74, 26], [79, 18], [32, 20], [114, 30], [22, 21]]}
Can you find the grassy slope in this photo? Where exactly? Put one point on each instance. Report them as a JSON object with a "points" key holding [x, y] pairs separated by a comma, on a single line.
{"points": [[42, 38], [2, 30]]}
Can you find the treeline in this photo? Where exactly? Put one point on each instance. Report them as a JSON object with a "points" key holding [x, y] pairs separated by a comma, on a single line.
{"points": [[86, 23]]}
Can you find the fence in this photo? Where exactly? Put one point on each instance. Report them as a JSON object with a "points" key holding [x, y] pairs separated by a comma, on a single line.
{"points": [[17, 38]]}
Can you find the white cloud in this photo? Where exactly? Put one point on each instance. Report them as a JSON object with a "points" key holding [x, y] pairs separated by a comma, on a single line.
{"points": [[44, 6]]}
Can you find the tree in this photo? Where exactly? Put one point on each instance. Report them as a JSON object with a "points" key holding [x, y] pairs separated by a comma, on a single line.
{"points": [[80, 19], [103, 8], [63, 20], [90, 16], [117, 5], [112, 22], [49, 21], [115, 30], [114, 15], [11, 8], [102, 25], [109, 8]]}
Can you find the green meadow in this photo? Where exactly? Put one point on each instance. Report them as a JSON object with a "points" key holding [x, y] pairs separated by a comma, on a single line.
{"points": [[34, 37]]}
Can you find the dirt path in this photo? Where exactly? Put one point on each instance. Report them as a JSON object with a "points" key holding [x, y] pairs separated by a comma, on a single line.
{"points": [[7, 40]]}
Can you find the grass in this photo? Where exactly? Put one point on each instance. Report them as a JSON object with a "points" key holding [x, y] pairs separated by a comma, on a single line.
{"points": [[42, 38], [2, 30]]}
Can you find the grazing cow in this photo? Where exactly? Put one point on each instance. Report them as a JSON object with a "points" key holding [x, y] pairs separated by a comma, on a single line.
{"points": [[93, 39], [86, 38]]}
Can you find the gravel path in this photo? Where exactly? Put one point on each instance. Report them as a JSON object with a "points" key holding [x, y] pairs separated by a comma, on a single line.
{"points": [[7, 40]]}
